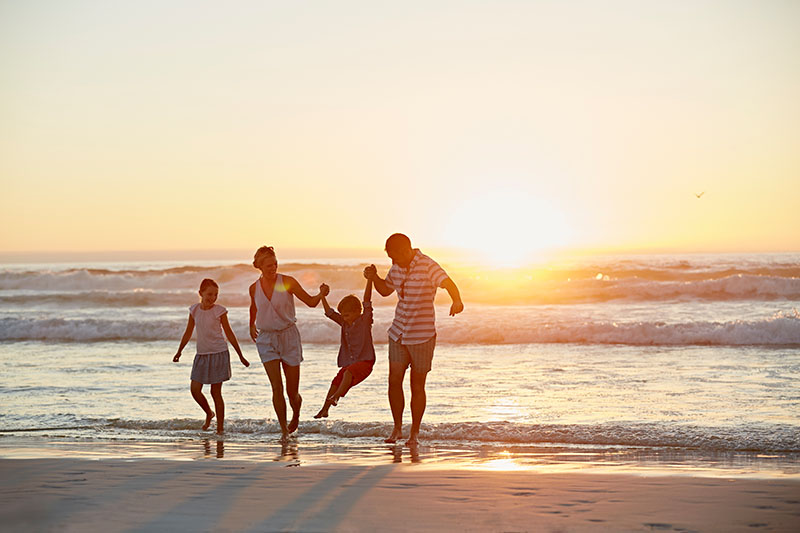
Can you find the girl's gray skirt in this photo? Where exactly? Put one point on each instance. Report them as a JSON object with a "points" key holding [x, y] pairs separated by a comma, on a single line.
{"points": [[212, 367]]}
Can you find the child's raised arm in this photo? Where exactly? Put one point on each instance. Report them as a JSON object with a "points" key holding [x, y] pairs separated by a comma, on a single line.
{"points": [[187, 335], [368, 291], [226, 327]]}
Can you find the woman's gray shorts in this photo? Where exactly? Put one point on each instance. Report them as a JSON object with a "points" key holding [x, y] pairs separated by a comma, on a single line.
{"points": [[212, 368], [419, 356], [284, 345]]}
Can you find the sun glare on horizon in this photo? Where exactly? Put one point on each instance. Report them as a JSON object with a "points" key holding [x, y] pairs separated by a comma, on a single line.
{"points": [[506, 228]]}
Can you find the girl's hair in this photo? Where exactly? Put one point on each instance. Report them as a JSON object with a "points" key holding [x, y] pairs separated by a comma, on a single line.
{"points": [[263, 250], [206, 283], [349, 303]]}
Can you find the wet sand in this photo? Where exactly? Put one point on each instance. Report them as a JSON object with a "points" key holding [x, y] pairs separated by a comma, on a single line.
{"points": [[212, 495]]}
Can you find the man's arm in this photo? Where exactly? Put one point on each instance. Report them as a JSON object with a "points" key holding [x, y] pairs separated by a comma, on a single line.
{"points": [[371, 273], [452, 290]]}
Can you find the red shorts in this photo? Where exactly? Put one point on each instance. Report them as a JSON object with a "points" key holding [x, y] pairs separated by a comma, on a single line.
{"points": [[359, 370]]}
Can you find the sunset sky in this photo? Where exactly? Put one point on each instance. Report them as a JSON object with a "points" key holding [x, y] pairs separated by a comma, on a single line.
{"points": [[486, 125]]}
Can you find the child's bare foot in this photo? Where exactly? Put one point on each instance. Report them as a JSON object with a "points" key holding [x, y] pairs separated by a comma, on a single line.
{"points": [[333, 400], [295, 421], [394, 437], [207, 423], [323, 413]]}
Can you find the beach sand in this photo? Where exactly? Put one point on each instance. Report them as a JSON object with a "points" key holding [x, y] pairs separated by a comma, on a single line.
{"points": [[67, 494]]}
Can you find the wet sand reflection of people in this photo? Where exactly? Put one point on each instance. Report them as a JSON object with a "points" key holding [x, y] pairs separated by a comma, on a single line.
{"points": [[289, 452], [220, 448], [397, 453]]}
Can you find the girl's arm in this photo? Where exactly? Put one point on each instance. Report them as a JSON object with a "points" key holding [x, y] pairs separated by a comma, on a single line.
{"points": [[295, 289], [187, 335], [253, 312], [226, 327]]}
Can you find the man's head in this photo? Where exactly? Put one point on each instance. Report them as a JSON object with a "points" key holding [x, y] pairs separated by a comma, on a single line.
{"points": [[399, 250]]}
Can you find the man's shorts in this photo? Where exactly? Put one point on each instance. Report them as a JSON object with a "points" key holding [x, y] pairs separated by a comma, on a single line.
{"points": [[359, 370], [283, 345], [419, 356]]}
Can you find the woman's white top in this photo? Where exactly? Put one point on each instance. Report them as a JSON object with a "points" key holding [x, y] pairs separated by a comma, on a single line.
{"points": [[276, 313], [209, 328]]}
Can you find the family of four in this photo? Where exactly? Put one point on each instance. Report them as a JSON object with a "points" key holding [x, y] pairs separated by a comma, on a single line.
{"points": [[413, 276]]}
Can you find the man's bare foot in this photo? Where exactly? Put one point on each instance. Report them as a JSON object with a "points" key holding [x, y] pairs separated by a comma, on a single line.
{"points": [[323, 413], [207, 423], [295, 421], [412, 441], [394, 437]]}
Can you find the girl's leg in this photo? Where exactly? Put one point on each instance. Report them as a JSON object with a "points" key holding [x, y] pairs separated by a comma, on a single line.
{"points": [[323, 413], [219, 405], [273, 369], [344, 386], [199, 397], [292, 386]]}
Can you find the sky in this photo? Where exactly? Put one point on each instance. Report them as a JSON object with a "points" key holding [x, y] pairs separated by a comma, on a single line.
{"points": [[502, 126]]}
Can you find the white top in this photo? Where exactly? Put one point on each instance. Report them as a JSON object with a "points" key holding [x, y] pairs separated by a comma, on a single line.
{"points": [[277, 313], [209, 328]]}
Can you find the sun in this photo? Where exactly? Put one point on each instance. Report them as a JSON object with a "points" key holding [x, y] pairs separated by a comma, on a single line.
{"points": [[506, 227]]}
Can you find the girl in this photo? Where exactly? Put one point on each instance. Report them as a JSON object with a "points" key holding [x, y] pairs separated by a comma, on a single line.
{"points": [[212, 364], [273, 329]]}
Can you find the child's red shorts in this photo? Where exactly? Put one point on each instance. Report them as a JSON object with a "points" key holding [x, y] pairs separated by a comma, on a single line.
{"points": [[360, 370]]}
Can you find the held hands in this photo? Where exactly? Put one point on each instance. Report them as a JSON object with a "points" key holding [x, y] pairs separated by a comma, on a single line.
{"points": [[371, 272], [456, 308], [324, 290]]}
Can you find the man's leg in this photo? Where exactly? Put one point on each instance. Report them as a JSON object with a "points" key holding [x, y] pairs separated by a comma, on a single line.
{"points": [[418, 402], [397, 400]]}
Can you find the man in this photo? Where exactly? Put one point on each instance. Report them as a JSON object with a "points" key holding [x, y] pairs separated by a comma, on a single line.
{"points": [[412, 335]]}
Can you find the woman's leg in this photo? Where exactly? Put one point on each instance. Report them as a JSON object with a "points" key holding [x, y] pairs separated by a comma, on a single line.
{"points": [[273, 369], [197, 393], [292, 390], [219, 405]]}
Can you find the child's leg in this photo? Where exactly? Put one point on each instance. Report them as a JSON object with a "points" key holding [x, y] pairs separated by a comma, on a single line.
{"points": [[273, 369], [292, 391], [344, 386], [323, 413], [219, 405], [199, 397]]}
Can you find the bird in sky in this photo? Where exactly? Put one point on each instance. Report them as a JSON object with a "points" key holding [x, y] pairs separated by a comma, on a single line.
{"points": [[699, 195]]}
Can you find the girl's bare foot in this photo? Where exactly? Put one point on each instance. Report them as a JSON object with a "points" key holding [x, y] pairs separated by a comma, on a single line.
{"points": [[394, 437], [207, 423]]}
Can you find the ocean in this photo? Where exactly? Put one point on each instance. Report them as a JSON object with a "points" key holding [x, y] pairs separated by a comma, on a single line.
{"points": [[652, 361]]}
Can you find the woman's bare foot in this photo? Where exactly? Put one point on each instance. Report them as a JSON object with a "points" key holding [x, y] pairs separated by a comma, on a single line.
{"points": [[396, 435], [284, 437], [323, 413], [295, 421], [207, 423]]}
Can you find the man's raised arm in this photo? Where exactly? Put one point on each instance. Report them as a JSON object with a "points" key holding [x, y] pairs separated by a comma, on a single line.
{"points": [[371, 273]]}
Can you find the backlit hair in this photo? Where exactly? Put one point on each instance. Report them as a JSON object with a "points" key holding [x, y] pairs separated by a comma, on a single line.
{"points": [[398, 240], [206, 283], [349, 303], [264, 250]]}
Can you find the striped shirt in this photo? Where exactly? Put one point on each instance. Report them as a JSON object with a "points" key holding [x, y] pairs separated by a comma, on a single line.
{"points": [[414, 316]]}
